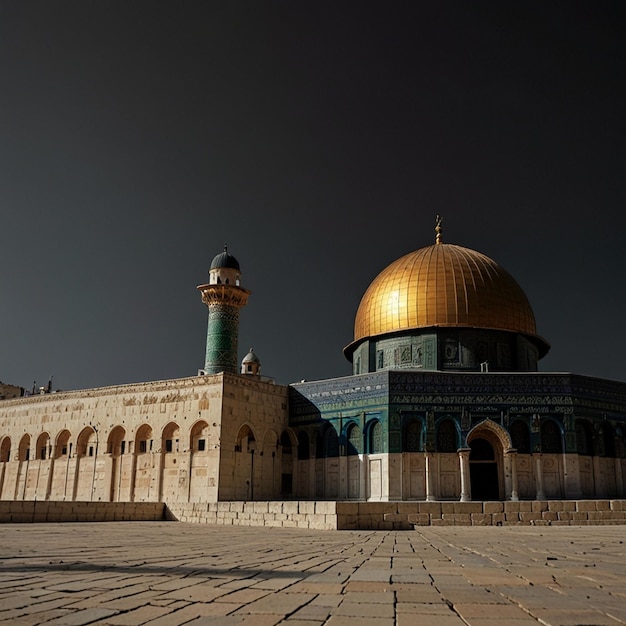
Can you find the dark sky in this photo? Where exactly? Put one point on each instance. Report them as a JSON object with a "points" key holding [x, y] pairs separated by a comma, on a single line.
{"points": [[319, 140]]}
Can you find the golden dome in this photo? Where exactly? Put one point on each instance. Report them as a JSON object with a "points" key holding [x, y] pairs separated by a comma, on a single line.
{"points": [[447, 286]]}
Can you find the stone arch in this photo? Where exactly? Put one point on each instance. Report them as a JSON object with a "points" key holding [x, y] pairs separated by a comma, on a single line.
{"points": [[492, 432], [63, 474], [331, 442], [173, 483], [170, 438], [330, 463], [246, 438], [520, 436], [5, 457], [270, 441], [488, 442], [551, 437], [447, 437], [5, 450], [354, 439], [199, 437], [412, 435], [270, 470], [245, 470], [115, 441], [375, 437], [86, 442], [62, 446], [607, 436], [304, 446], [584, 437], [120, 467], [288, 438], [23, 452], [145, 477], [204, 464], [86, 452], [143, 439], [42, 448]]}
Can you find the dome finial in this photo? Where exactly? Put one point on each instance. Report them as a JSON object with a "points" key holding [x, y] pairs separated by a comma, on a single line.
{"points": [[438, 221]]}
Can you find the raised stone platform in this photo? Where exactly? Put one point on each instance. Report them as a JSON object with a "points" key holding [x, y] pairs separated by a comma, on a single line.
{"points": [[330, 515], [35, 511], [401, 515]]}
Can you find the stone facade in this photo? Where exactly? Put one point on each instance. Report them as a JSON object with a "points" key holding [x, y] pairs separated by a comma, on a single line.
{"points": [[167, 441], [408, 435], [386, 436]]}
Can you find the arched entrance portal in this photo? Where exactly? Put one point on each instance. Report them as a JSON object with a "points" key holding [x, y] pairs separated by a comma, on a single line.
{"points": [[483, 470]]}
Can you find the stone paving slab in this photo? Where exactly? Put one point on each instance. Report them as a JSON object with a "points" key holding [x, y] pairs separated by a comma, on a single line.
{"points": [[162, 574]]}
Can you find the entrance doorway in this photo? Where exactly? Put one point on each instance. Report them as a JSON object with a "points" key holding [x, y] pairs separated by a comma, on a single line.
{"points": [[483, 470]]}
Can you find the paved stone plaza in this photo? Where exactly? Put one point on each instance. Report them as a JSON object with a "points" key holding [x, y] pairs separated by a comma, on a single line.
{"points": [[160, 573]]}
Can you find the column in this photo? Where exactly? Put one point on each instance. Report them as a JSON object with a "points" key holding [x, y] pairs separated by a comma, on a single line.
{"points": [[158, 465], [190, 477], [133, 470], [539, 478], [343, 473], [51, 457], [619, 477], [428, 463], [512, 456], [466, 489]]}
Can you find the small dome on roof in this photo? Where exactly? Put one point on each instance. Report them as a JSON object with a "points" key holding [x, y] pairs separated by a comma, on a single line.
{"points": [[251, 364], [251, 357], [224, 259]]}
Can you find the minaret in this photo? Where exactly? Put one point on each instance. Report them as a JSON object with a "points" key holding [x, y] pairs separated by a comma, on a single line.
{"points": [[224, 297]]}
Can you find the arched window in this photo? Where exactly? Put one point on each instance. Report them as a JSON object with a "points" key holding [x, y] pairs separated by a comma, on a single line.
{"points": [[319, 444], [376, 438], [411, 442], [520, 436], [245, 440], [551, 441], [331, 443], [63, 445], [285, 442], [143, 439], [584, 438], [608, 439], [199, 437], [115, 441], [24, 449], [87, 442], [42, 449], [170, 440], [5, 450], [446, 437], [303, 446], [355, 440]]}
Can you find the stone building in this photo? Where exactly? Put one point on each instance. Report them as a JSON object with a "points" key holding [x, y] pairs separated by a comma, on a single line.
{"points": [[10, 391], [445, 402]]}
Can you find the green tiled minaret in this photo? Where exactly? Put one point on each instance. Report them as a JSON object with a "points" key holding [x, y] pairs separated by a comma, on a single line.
{"points": [[224, 296]]}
